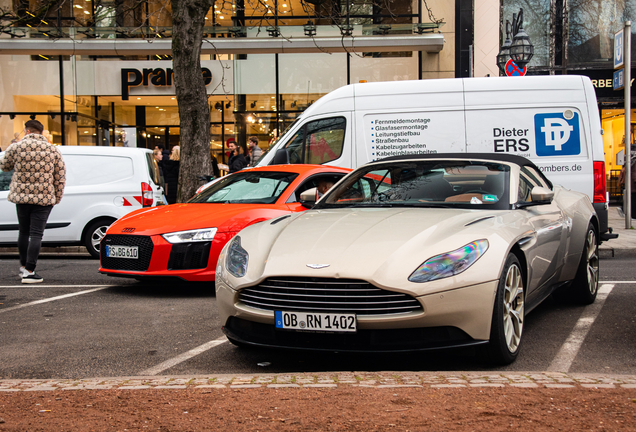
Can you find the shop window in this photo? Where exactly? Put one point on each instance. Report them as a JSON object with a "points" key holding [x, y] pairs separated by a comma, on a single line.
{"points": [[318, 142]]}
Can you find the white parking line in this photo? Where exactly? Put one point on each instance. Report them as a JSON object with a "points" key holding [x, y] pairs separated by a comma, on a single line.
{"points": [[183, 357], [566, 355], [50, 299]]}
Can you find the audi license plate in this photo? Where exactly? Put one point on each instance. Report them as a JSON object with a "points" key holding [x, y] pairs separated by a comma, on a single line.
{"points": [[131, 252], [327, 322]]}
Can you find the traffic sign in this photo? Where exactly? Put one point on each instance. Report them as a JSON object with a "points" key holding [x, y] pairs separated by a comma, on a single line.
{"points": [[619, 41], [513, 70], [619, 79]]}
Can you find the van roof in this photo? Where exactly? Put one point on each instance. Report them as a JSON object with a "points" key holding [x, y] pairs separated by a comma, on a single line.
{"points": [[101, 150]]}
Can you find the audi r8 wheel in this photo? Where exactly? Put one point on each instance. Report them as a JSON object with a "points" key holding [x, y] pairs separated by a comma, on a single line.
{"points": [[585, 285], [508, 314], [93, 235]]}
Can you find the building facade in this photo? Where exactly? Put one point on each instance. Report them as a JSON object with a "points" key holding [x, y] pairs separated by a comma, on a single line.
{"points": [[99, 72]]}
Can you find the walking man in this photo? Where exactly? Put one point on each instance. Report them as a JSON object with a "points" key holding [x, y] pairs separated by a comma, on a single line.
{"points": [[37, 185], [254, 150]]}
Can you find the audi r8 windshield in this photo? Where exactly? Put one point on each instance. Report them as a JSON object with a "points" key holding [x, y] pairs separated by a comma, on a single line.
{"points": [[453, 183], [249, 187]]}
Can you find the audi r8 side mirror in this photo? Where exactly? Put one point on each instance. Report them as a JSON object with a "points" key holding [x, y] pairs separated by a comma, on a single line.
{"points": [[541, 195], [281, 157], [308, 198]]}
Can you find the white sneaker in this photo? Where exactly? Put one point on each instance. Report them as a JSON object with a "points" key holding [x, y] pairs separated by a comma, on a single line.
{"points": [[31, 277], [22, 271]]}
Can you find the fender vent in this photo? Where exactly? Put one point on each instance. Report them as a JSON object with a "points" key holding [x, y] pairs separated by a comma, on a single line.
{"points": [[128, 230]]}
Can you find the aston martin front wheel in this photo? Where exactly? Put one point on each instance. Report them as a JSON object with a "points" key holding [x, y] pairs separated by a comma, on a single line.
{"points": [[585, 284], [508, 314]]}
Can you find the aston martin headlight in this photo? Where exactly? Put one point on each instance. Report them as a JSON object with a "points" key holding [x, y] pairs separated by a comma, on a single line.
{"points": [[237, 257], [449, 263], [199, 235]]}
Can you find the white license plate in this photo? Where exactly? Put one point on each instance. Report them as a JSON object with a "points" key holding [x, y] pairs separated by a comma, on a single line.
{"points": [[329, 322], [131, 252]]}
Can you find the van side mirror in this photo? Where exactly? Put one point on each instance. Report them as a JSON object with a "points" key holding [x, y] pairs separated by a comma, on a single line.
{"points": [[308, 198], [281, 157], [541, 195]]}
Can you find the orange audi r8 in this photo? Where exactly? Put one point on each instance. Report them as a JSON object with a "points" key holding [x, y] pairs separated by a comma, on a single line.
{"points": [[184, 240]]}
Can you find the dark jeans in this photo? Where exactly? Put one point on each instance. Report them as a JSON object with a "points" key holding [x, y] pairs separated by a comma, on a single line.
{"points": [[32, 220]]}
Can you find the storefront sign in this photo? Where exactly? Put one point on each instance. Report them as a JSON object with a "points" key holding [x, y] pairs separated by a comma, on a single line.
{"points": [[602, 80], [157, 77]]}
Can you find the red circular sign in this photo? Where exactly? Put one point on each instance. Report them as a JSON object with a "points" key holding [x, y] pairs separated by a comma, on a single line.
{"points": [[513, 70]]}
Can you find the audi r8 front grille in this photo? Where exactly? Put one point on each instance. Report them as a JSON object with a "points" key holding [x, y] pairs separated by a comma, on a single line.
{"points": [[186, 256], [144, 243], [326, 295]]}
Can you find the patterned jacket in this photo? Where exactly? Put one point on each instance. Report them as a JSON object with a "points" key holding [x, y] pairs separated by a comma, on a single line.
{"points": [[40, 173]]}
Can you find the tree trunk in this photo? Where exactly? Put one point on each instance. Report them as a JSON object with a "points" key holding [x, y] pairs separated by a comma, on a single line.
{"points": [[188, 19]]}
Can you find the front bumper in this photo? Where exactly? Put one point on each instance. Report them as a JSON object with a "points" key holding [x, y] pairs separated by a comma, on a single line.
{"points": [[454, 318]]}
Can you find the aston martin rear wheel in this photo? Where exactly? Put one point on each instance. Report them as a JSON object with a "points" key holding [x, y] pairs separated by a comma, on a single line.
{"points": [[585, 285], [508, 314]]}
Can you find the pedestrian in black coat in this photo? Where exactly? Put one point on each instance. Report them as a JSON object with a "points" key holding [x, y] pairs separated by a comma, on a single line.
{"points": [[171, 174], [237, 158]]}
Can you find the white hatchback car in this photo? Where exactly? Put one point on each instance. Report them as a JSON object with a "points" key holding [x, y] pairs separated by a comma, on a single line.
{"points": [[102, 185]]}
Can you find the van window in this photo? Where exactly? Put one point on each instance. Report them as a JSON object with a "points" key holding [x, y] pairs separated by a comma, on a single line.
{"points": [[5, 180], [318, 142], [87, 170], [153, 169]]}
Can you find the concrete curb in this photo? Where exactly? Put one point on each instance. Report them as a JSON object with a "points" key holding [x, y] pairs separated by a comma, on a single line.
{"points": [[380, 380]]}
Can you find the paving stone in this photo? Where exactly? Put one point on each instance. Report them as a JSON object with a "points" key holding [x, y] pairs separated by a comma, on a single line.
{"points": [[448, 385], [176, 386], [598, 386], [559, 385], [275, 386], [211, 386], [487, 385], [41, 388], [524, 385], [321, 385], [133, 387], [245, 386], [400, 386]]}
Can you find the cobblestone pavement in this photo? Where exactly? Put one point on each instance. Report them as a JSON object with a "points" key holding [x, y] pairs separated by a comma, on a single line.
{"points": [[331, 380]]}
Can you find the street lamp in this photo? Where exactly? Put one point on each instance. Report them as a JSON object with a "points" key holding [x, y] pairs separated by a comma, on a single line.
{"points": [[520, 50], [504, 51]]}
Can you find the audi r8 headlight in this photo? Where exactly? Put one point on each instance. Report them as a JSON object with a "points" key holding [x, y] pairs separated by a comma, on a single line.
{"points": [[449, 263], [199, 235], [237, 257]]}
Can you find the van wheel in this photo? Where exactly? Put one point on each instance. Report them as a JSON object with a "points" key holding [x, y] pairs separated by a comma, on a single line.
{"points": [[508, 315], [93, 235]]}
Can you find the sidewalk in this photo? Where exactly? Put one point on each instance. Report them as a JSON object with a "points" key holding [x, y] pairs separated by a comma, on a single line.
{"points": [[626, 241]]}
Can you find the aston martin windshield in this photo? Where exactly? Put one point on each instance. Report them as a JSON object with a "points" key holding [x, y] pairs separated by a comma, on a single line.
{"points": [[426, 183], [248, 187]]}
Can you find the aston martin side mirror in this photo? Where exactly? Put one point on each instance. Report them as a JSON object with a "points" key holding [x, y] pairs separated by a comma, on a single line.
{"points": [[541, 195], [308, 198]]}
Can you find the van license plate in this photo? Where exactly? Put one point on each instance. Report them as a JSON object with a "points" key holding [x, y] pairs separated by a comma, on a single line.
{"points": [[329, 322], [131, 252]]}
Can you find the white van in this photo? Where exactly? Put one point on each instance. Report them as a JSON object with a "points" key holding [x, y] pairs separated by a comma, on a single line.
{"points": [[102, 185], [552, 120]]}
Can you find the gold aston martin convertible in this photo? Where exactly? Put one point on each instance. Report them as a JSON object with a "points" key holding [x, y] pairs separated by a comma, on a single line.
{"points": [[412, 253]]}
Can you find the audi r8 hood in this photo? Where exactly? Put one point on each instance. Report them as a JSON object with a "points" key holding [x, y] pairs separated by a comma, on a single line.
{"points": [[188, 216], [386, 243]]}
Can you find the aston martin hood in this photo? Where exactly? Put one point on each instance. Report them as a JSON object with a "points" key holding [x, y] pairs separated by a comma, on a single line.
{"points": [[342, 242]]}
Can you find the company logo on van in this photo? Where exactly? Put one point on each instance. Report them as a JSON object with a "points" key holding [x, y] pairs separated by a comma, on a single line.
{"points": [[557, 136]]}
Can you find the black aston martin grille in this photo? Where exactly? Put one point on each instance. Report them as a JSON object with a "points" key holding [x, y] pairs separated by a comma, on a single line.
{"points": [[144, 243], [185, 256], [326, 295]]}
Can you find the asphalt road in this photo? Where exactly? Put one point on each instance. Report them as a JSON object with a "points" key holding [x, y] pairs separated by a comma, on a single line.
{"points": [[80, 324]]}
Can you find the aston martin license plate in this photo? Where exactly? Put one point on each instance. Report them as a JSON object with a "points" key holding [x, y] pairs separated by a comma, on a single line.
{"points": [[131, 252], [328, 322]]}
